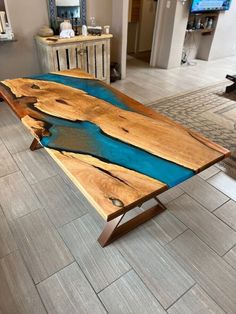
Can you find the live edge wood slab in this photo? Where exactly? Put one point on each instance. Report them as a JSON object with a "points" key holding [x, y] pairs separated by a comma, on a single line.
{"points": [[118, 152]]}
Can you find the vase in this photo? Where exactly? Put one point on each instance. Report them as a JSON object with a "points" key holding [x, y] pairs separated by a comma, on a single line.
{"points": [[65, 25]]}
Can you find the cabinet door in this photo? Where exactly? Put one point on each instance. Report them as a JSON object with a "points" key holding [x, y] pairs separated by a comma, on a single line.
{"points": [[68, 57], [97, 59]]}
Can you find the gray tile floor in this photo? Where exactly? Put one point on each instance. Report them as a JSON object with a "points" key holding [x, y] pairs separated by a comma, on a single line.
{"points": [[183, 261]]}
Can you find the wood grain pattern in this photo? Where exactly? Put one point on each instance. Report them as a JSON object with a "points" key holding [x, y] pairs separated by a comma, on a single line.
{"points": [[80, 38], [107, 183], [164, 140], [75, 73]]}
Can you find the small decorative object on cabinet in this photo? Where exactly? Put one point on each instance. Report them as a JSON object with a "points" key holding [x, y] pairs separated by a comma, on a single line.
{"points": [[66, 24], [45, 31], [90, 53]]}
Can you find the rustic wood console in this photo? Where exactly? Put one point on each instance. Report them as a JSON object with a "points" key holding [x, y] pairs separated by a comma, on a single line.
{"points": [[91, 54]]}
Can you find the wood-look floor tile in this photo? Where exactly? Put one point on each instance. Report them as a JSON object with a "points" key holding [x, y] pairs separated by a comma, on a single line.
{"points": [[170, 195], [195, 301], [7, 242], [35, 165], [16, 138], [100, 265], [41, 246], [7, 164], [129, 295], [68, 291], [209, 172], [16, 196], [83, 200], [227, 213], [12, 132], [206, 225], [209, 270], [224, 183], [165, 227], [204, 193], [17, 291], [166, 279], [230, 257], [61, 204], [7, 116]]}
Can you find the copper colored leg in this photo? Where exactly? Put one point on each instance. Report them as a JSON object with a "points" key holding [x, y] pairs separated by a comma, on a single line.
{"points": [[35, 145], [113, 230]]}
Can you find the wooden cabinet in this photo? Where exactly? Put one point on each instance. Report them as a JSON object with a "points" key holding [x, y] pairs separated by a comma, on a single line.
{"points": [[90, 53]]}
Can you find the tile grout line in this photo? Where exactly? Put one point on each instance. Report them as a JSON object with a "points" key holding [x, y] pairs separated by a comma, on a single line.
{"points": [[145, 283], [234, 246], [174, 256], [187, 228], [202, 204], [119, 277], [224, 221], [218, 188], [201, 240], [28, 272], [195, 283], [212, 212]]}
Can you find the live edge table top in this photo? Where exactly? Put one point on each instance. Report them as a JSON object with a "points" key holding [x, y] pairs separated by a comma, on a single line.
{"points": [[118, 152]]}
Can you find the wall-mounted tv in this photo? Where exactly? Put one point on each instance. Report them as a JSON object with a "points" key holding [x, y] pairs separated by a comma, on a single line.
{"points": [[199, 6]]}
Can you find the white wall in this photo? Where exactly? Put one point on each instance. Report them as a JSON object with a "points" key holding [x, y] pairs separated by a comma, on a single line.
{"points": [[20, 58], [171, 22], [101, 9], [224, 42]]}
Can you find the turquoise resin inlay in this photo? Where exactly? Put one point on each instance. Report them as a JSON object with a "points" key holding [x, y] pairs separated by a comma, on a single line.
{"points": [[93, 88], [87, 138]]}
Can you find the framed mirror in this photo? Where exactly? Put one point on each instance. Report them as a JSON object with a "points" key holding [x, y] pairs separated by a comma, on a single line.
{"points": [[60, 10]]}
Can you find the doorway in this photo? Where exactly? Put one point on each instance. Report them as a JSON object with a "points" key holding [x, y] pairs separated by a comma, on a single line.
{"points": [[141, 23]]}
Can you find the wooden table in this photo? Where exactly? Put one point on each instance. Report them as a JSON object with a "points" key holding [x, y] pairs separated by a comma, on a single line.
{"points": [[117, 152]]}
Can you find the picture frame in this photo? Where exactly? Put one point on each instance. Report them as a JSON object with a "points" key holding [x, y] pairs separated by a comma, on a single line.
{"points": [[53, 16]]}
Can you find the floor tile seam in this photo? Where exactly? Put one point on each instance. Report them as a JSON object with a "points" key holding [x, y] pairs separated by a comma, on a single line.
{"points": [[189, 228]]}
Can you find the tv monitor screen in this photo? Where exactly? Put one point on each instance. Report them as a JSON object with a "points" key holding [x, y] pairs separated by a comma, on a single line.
{"points": [[210, 5]]}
